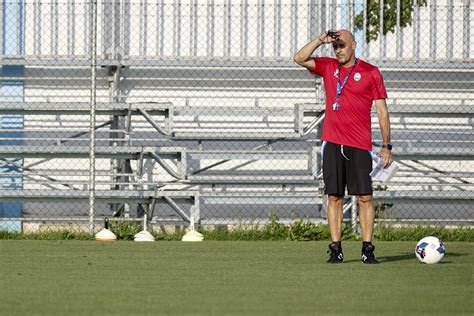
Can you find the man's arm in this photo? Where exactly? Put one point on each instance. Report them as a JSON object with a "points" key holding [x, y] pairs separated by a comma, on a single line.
{"points": [[384, 122], [303, 56]]}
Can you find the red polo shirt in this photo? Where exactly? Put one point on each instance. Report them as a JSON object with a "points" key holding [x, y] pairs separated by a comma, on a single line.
{"points": [[350, 125]]}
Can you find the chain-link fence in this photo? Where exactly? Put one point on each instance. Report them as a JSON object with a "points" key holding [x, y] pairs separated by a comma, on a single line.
{"points": [[194, 111]]}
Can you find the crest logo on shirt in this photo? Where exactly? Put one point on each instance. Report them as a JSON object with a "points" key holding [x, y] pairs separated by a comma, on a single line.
{"points": [[357, 76], [336, 73]]}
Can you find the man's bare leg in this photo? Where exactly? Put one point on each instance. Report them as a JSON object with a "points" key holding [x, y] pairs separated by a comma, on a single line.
{"points": [[366, 217], [335, 216], [367, 221]]}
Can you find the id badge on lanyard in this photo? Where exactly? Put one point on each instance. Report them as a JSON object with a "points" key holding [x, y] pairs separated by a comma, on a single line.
{"points": [[337, 106]]}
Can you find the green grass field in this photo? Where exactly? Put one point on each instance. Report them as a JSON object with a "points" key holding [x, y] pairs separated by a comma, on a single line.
{"points": [[229, 278]]}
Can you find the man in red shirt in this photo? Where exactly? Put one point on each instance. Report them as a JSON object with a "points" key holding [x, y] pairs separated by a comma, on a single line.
{"points": [[351, 85]]}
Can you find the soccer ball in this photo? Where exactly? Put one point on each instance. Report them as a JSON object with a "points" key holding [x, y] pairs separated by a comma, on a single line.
{"points": [[430, 250]]}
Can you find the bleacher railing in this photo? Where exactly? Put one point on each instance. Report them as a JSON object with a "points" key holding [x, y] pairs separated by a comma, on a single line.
{"points": [[438, 31]]}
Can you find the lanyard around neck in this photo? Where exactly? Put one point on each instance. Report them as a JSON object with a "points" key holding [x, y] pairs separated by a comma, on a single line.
{"points": [[339, 86]]}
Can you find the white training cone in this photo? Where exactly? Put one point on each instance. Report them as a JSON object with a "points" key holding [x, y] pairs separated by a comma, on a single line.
{"points": [[144, 235], [193, 235], [105, 234]]}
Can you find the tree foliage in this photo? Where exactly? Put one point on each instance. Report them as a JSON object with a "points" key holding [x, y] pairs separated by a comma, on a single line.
{"points": [[389, 16]]}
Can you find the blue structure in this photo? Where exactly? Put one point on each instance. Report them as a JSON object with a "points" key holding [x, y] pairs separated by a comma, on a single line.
{"points": [[12, 90]]}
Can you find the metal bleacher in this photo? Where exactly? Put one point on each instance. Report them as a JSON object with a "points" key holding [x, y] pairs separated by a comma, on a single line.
{"points": [[263, 152], [192, 126], [259, 149], [432, 121]]}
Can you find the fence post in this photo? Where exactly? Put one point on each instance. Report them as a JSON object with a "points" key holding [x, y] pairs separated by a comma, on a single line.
{"points": [[93, 52], [467, 30]]}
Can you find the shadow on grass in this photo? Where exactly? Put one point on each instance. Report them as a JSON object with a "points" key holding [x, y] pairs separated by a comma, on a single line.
{"points": [[407, 256], [410, 256]]}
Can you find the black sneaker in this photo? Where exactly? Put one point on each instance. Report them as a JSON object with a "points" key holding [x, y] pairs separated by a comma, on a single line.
{"points": [[368, 254], [335, 254]]}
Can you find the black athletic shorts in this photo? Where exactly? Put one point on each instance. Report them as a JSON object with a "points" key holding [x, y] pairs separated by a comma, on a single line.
{"points": [[346, 166]]}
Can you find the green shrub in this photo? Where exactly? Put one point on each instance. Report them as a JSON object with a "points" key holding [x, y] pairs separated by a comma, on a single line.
{"points": [[125, 230], [165, 236], [275, 230], [389, 233], [48, 235], [299, 230], [306, 231]]}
